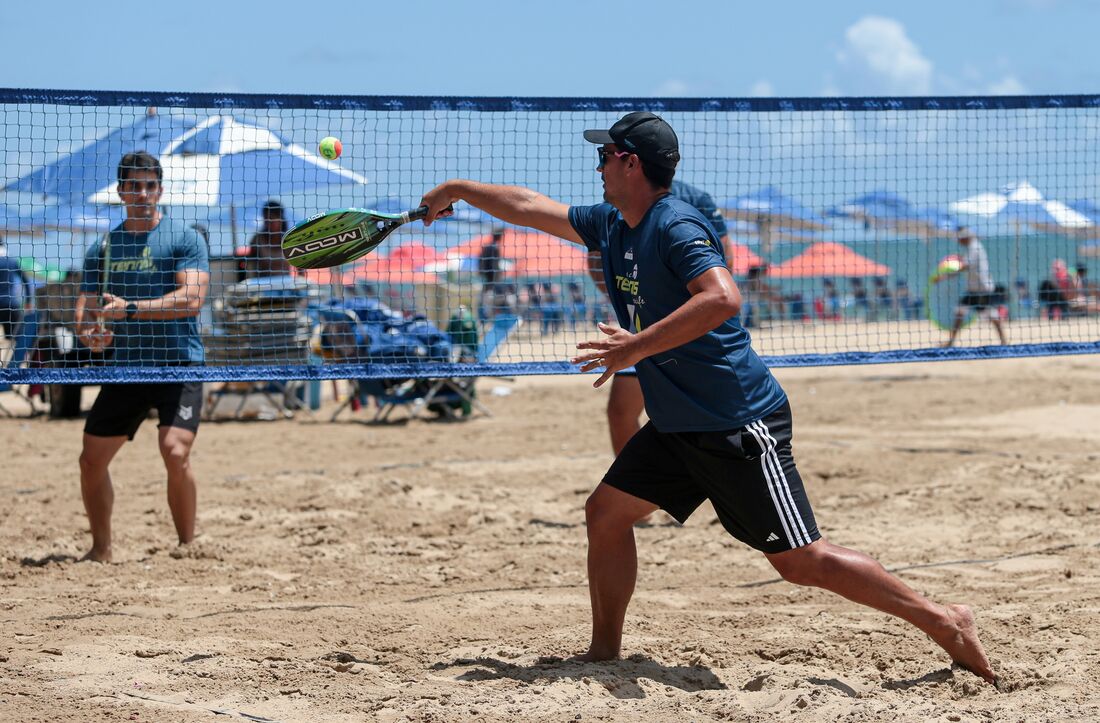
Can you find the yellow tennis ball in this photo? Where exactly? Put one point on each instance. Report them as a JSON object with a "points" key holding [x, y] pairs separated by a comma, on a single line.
{"points": [[331, 148]]}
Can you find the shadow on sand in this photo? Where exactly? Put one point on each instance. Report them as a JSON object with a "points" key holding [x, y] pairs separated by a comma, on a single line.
{"points": [[619, 677]]}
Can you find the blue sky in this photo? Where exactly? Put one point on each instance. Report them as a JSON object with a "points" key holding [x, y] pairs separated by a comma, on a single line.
{"points": [[559, 48]]}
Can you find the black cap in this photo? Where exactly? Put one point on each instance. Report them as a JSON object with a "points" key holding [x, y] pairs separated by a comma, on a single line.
{"points": [[644, 134]]}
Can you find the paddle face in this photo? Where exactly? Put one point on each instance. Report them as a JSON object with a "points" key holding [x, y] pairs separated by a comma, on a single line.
{"points": [[337, 237]]}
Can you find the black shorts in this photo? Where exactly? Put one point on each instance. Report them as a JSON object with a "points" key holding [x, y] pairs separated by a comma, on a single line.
{"points": [[748, 474], [979, 301], [121, 408]]}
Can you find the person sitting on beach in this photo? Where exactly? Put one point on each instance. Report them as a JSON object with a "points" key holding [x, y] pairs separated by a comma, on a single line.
{"points": [[265, 250]]}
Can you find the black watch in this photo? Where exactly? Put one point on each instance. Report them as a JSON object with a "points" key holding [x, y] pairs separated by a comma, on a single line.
{"points": [[131, 310]]}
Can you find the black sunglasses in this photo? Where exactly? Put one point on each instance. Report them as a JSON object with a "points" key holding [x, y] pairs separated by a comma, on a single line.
{"points": [[603, 153]]}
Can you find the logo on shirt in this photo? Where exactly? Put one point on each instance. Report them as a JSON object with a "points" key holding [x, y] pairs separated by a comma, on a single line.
{"points": [[144, 263], [629, 255], [701, 242]]}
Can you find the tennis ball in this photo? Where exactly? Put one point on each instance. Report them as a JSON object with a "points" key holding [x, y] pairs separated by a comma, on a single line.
{"points": [[331, 148]]}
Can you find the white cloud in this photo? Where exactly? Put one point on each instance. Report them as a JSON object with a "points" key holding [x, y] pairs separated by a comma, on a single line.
{"points": [[1008, 85], [879, 52], [762, 89], [671, 87]]}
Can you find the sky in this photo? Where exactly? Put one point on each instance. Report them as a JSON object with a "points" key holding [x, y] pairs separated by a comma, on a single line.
{"points": [[606, 48]]}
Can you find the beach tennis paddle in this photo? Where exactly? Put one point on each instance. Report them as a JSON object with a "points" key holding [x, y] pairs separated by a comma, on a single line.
{"points": [[337, 237]]}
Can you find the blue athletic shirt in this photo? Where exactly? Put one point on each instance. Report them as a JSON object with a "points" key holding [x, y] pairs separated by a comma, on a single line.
{"points": [[715, 382], [144, 266]]}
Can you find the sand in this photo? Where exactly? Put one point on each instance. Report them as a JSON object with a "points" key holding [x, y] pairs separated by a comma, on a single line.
{"points": [[434, 571]]}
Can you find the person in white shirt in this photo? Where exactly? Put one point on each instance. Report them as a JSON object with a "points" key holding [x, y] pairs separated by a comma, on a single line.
{"points": [[980, 293]]}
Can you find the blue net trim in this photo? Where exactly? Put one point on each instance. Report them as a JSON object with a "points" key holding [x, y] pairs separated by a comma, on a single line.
{"points": [[521, 104], [100, 375]]}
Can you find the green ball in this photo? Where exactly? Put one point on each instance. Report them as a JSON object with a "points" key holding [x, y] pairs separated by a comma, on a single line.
{"points": [[330, 148]]}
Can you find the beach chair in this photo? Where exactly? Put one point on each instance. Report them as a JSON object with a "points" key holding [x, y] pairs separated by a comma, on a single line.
{"points": [[260, 321], [342, 336]]}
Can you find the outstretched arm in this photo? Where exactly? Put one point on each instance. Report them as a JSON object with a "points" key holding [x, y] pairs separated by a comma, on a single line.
{"points": [[512, 204]]}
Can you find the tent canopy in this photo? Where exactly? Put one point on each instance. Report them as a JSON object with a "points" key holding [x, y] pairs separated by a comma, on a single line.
{"points": [[828, 259]]}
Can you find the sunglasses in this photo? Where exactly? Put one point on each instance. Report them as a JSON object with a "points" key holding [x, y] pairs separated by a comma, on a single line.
{"points": [[603, 153]]}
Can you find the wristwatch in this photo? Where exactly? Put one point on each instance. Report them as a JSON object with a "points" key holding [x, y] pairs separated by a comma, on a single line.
{"points": [[131, 310]]}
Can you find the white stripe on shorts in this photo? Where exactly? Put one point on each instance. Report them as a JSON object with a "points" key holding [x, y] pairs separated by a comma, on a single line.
{"points": [[778, 486]]}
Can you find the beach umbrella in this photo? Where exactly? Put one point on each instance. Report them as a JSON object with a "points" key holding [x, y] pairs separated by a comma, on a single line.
{"points": [[1024, 205], [769, 209], [884, 209], [531, 254], [741, 258], [218, 160], [826, 259]]}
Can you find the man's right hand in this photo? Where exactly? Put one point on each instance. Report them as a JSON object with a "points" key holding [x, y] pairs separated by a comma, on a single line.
{"points": [[438, 200]]}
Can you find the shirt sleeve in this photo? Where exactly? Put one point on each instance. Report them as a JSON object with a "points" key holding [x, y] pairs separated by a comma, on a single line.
{"points": [[590, 223], [689, 249], [93, 262], [192, 253]]}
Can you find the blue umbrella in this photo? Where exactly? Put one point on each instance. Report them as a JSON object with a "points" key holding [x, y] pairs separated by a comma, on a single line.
{"points": [[889, 210], [769, 209]]}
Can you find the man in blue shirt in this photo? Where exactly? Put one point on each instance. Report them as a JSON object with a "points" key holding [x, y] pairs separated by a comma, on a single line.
{"points": [[141, 292], [720, 425], [625, 403]]}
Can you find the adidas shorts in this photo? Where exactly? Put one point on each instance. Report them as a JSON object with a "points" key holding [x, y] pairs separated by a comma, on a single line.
{"points": [[748, 474]]}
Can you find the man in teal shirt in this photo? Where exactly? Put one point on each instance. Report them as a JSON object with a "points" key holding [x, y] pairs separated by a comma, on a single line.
{"points": [[142, 289]]}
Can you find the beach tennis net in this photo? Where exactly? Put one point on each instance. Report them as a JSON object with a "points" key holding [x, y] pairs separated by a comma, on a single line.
{"points": [[839, 215]]}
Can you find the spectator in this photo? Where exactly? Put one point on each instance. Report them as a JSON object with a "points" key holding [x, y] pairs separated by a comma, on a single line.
{"points": [[1024, 301], [831, 302], [860, 304], [762, 301], [16, 293], [264, 256], [578, 305], [553, 315], [1056, 292], [909, 306], [488, 268], [884, 300]]}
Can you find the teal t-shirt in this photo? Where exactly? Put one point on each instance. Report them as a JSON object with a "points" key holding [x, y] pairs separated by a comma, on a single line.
{"points": [[712, 383], [144, 266]]}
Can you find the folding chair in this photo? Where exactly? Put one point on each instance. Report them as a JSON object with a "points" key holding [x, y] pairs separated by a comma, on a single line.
{"points": [[444, 392]]}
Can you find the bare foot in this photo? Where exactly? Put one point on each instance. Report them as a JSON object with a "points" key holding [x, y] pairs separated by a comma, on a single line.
{"points": [[94, 555], [960, 640], [593, 656]]}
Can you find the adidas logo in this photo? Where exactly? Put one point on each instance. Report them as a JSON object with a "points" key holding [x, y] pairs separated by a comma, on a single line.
{"points": [[772, 537]]}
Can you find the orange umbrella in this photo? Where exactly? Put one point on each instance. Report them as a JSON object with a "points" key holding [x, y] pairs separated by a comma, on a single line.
{"points": [[401, 266], [533, 253], [741, 258], [825, 259]]}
